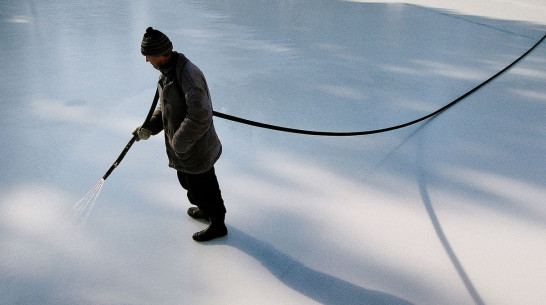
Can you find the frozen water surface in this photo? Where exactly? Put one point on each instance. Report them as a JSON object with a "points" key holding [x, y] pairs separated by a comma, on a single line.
{"points": [[449, 211]]}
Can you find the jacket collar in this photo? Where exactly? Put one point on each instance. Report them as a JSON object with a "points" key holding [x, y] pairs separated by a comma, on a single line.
{"points": [[175, 60]]}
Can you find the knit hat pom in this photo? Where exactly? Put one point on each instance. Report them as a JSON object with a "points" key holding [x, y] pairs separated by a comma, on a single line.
{"points": [[155, 43]]}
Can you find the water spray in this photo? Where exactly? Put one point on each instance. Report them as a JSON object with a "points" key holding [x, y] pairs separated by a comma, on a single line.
{"points": [[83, 208]]}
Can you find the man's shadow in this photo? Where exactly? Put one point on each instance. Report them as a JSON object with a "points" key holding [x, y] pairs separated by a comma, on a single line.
{"points": [[321, 287]]}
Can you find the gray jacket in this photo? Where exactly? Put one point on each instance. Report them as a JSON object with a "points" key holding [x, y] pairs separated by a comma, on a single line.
{"points": [[185, 114]]}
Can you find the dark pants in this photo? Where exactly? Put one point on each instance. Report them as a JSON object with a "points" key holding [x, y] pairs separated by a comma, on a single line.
{"points": [[204, 192]]}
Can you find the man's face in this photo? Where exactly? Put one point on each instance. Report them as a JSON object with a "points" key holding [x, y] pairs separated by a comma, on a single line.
{"points": [[157, 62]]}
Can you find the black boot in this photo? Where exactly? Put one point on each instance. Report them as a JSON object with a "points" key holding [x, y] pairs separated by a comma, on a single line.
{"points": [[196, 213], [216, 229]]}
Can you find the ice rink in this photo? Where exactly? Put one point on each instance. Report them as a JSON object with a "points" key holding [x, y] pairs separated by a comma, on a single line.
{"points": [[448, 211]]}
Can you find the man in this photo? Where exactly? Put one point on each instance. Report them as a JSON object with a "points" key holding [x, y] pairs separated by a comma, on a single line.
{"points": [[185, 116]]}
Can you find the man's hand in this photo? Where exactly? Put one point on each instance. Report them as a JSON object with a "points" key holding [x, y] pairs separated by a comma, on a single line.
{"points": [[142, 133]]}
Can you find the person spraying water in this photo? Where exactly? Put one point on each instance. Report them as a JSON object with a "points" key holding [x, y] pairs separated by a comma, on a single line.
{"points": [[185, 115], [193, 147]]}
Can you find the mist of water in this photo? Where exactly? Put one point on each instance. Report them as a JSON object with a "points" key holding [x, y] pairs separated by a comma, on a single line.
{"points": [[84, 207]]}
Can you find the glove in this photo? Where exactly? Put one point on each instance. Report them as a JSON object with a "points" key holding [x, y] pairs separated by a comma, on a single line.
{"points": [[142, 133]]}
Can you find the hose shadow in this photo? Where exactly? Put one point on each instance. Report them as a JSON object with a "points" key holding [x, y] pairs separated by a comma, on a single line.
{"points": [[321, 287], [430, 210], [421, 179]]}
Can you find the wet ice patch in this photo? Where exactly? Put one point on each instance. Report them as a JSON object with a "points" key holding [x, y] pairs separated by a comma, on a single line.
{"points": [[83, 113], [18, 19], [64, 111]]}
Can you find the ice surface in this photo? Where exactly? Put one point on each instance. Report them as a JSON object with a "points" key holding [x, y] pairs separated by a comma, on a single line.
{"points": [[450, 211]]}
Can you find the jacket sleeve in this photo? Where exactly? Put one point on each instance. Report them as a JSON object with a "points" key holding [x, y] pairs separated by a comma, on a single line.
{"points": [[156, 122]]}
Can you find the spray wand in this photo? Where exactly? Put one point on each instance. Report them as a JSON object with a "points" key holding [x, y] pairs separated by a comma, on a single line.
{"points": [[84, 206]]}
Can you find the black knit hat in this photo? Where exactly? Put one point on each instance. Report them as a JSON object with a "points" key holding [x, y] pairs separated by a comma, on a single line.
{"points": [[155, 43]]}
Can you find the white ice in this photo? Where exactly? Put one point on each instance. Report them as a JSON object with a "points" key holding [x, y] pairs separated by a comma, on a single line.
{"points": [[448, 211]]}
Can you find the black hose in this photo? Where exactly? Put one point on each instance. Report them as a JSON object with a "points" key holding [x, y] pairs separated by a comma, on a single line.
{"points": [[367, 132]]}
